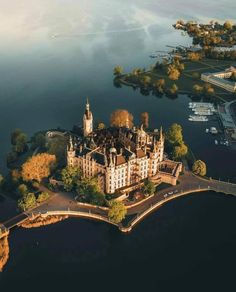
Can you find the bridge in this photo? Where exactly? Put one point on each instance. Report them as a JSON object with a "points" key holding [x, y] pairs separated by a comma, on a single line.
{"points": [[65, 204]]}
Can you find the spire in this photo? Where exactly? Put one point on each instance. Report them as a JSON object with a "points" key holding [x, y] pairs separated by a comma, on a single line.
{"points": [[71, 146], [161, 134], [87, 104]]}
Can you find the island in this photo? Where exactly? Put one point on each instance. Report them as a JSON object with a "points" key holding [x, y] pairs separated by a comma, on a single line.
{"points": [[117, 174]]}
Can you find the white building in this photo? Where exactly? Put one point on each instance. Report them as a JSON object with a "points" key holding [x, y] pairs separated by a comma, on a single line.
{"points": [[221, 79]]}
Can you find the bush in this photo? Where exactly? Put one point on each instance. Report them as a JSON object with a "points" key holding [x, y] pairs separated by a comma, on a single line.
{"points": [[42, 197]]}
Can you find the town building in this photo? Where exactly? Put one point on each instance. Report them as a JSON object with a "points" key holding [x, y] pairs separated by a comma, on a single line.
{"points": [[221, 79], [121, 158]]}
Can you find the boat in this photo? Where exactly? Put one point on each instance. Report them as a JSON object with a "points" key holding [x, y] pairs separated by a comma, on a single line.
{"points": [[195, 118], [207, 130], [216, 142], [213, 130]]}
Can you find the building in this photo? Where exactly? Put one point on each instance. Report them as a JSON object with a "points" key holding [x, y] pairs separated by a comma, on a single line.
{"points": [[221, 79], [121, 158]]}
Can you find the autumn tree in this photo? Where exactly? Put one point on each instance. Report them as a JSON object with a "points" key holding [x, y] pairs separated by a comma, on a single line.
{"points": [[121, 118], [1, 180], [38, 167], [145, 119], [173, 72], [198, 89], [199, 168], [228, 25], [118, 70], [117, 211], [101, 126]]}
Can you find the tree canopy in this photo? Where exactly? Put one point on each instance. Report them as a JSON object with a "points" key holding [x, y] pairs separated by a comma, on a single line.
{"points": [[121, 118], [38, 167], [149, 187], [118, 70], [145, 119], [27, 202], [199, 168], [70, 176], [117, 211]]}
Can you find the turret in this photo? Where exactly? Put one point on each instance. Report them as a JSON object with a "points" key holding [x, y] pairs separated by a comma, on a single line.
{"points": [[87, 120]]}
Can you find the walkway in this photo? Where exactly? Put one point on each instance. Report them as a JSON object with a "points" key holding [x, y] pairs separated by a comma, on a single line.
{"points": [[64, 203]]}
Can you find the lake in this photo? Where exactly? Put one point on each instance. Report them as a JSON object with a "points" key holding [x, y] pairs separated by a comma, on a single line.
{"points": [[53, 55]]}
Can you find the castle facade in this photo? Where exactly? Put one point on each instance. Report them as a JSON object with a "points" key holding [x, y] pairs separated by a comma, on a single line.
{"points": [[121, 158]]}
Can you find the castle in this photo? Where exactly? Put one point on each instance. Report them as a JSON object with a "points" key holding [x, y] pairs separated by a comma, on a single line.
{"points": [[121, 158]]}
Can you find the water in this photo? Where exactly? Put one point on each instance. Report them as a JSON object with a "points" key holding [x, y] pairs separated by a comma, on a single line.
{"points": [[53, 55]]}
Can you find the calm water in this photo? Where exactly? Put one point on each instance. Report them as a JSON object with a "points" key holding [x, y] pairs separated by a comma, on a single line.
{"points": [[55, 53]]}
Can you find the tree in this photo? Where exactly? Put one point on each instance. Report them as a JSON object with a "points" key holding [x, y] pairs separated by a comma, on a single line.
{"points": [[14, 135], [228, 25], [118, 70], [117, 211], [57, 146], [174, 134], [70, 176], [146, 80], [38, 167], [121, 118], [89, 190], [173, 72], [145, 119], [101, 126], [42, 197], [149, 187], [21, 143], [38, 140], [15, 176], [22, 189], [174, 89], [11, 157], [199, 168], [179, 151], [197, 89], [27, 202], [1, 180]]}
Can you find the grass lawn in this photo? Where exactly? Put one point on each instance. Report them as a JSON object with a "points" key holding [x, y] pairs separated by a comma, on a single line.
{"points": [[187, 79]]}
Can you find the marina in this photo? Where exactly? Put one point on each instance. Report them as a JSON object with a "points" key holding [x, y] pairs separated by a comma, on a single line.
{"points": [[201, 110]]}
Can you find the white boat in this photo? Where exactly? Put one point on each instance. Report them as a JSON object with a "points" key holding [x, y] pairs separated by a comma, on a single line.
{"points": [[213, 130], [207, 130], [216, 142], [195, 118]]}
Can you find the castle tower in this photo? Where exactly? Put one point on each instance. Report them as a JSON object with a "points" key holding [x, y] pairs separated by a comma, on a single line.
{"points": [[70, 153], [87, 120]]}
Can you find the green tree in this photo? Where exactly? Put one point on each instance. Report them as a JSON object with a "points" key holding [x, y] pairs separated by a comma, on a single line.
{"points": [[27, 202], [179, 151], [57, 146], [70, 176], [22, 189], [88, 190], [199, 168], [14, 135], [21, 143], [146, 80], [149, 187], [118, 70], [174, 134], [1, 180], [117, 211], [42, 197], [11, 157], [38, 140]]}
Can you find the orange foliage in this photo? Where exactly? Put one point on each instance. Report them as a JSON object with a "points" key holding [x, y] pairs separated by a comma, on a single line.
{"points": [[121, 118], [38, 167]]}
